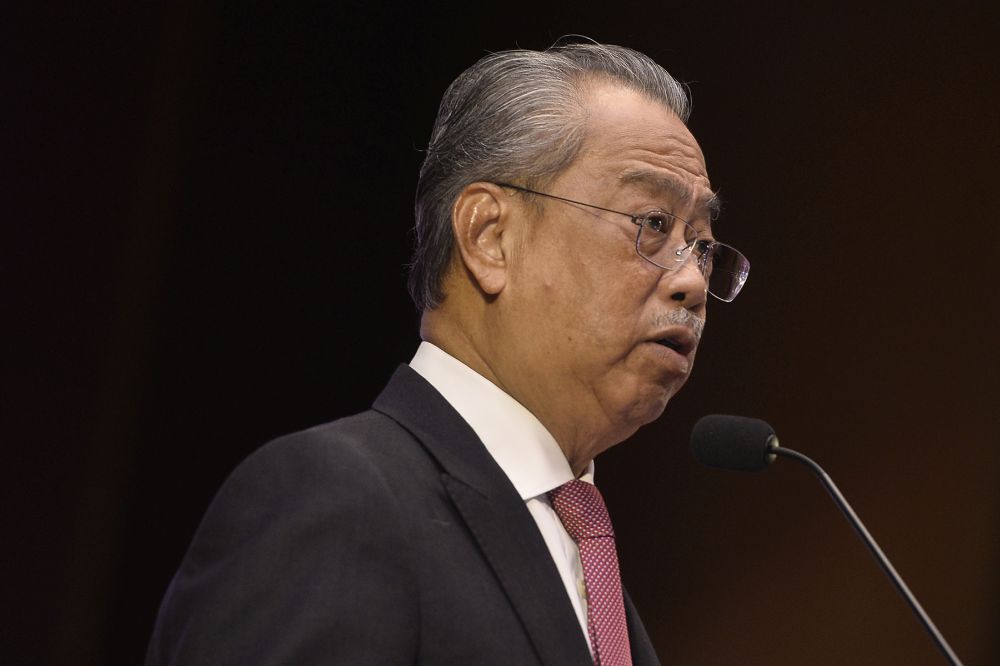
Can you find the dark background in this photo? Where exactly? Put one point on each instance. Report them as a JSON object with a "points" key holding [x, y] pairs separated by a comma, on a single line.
{"points": [[208, 217]]}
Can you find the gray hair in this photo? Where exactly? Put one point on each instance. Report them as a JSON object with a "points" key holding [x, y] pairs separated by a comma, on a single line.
{"points": [[515, 116]]}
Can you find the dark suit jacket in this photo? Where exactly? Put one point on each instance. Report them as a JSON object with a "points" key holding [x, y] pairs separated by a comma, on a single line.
{"points": [[390, 537]]}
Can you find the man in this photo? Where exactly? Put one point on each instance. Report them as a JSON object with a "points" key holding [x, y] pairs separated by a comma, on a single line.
{"points": [[563, 264]]}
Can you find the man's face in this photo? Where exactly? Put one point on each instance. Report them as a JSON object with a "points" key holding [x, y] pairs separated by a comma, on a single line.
{"points": [[586, 315]]}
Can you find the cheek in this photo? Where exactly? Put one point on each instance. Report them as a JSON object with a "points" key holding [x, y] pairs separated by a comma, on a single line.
{"points": [[596, 311], [616, 305], [588, 296]]}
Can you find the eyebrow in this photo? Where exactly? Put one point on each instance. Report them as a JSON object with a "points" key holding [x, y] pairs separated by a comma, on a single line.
{"points": [[660, 183]]}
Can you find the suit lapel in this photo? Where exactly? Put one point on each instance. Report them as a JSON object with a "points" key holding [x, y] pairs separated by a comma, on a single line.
{"points": [[495, 515], [514, 548], [643, 653]]}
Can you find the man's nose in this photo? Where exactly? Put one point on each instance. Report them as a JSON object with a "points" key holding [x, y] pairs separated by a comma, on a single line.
{"points": [[687, 284]]}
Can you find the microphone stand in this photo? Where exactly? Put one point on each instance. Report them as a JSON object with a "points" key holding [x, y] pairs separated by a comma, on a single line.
{"points": [[869, 541]]}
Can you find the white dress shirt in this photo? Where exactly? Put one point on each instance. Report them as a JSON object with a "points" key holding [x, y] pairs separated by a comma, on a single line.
{"points": [[522, 447]]}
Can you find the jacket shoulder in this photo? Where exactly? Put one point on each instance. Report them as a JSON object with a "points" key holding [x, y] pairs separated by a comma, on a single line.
{"points": [[305, 544]]}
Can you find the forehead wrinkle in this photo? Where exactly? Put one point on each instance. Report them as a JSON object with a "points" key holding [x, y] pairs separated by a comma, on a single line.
{"points": [[658, 183]]}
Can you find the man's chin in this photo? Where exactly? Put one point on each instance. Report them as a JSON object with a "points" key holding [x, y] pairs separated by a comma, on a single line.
{"points": [[648, 408]]}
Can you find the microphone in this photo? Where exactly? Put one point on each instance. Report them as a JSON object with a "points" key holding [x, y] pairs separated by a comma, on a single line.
{"points": [[733, 442], [750, 445]]}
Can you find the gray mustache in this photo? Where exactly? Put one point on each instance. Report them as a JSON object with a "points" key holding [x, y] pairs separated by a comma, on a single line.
{"points": [[684, 318]]}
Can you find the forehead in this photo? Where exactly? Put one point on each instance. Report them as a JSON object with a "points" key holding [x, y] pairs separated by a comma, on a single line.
{"points": [[634, 143]]}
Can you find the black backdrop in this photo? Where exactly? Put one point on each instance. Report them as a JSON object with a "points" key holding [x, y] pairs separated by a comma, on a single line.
{"points": [[213, 203]]}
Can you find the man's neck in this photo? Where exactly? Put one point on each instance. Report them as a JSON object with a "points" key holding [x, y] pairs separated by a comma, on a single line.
{"points": [[463, 343]]}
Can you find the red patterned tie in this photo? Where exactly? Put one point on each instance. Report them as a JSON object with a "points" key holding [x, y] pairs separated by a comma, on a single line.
{"points": [[581, 509]]}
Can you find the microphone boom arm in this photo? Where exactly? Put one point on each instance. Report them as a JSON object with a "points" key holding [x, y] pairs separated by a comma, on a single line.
{"points": [[774, 449]]}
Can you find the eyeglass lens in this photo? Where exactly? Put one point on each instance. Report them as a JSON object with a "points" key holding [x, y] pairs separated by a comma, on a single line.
{"points": [[668, 241], [726, 270]]}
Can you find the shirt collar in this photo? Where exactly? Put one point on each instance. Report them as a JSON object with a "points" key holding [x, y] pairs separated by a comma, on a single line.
{"points": [[519, 443]]}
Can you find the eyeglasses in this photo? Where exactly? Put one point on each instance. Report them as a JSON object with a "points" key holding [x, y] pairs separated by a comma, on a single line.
{"points": [[667, 241]]}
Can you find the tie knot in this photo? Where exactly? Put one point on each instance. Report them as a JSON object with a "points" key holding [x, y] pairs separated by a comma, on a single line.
{"points": [[582, 511]]}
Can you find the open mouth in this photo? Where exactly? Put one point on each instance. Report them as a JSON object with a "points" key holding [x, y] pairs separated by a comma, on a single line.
{"points": [[680, 341], [671, 344]]}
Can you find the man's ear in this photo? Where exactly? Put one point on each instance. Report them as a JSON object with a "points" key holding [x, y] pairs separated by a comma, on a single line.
{"points": [[479, 223]]}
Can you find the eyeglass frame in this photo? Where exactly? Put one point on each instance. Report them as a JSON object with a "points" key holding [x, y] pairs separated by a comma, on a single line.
{"points": [[703, 245]]}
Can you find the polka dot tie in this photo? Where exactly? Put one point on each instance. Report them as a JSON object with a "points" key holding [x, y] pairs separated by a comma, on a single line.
{"points": [[581, 509]]}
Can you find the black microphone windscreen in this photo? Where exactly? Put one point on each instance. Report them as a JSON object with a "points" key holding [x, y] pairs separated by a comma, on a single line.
{"points": [[732, 442]]}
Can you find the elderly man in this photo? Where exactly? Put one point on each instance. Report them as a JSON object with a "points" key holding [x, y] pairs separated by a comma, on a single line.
{"points": [[563, 264]]}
